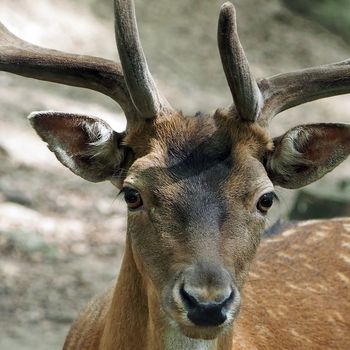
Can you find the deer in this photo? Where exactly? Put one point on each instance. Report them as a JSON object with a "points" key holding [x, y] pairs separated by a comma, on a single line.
{"points": [[198, 191]]}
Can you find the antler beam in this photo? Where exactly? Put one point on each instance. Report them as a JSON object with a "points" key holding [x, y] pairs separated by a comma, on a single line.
{"points": [[148, 101], [243, 86], [284, 91], [20, 57], [273, 95]]}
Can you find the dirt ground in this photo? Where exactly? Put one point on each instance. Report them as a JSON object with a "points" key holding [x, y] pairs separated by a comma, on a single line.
{"points": [[61, 238]]}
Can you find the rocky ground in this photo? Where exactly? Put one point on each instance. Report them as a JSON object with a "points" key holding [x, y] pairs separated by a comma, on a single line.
{"points": [[61, 238]]}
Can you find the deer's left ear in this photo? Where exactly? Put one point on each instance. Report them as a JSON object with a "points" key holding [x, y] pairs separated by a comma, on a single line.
{"points": [[88, 146], [307, 152]]}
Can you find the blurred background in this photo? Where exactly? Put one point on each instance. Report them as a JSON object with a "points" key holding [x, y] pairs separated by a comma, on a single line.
{"points": [[61, 238]]}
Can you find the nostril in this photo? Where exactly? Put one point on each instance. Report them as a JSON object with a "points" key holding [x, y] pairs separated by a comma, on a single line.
{"points": [[229, 300], [189, 300]]}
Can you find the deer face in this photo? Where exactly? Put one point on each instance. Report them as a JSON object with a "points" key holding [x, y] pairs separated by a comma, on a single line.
{"points": [[196, 215]]}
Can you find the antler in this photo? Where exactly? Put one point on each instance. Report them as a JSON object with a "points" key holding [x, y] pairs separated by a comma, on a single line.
{"points": [[20, 57], [140, 83], [136, 92], [243, 86], [284, 91], [280, 92]]}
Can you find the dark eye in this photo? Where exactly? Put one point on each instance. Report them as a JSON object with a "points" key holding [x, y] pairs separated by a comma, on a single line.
{"points": [[265, 202], [132, 198]]}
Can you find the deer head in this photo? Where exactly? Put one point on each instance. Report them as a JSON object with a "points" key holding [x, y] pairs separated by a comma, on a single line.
{"points": [[198, 188]]}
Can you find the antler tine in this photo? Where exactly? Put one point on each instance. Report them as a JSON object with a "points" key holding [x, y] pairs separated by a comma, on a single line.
{"points": [[141, 85], [20, 57], [243, 86], [284, 91]]}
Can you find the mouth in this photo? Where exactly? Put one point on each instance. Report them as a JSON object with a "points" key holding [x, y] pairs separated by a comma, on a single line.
{"points": [[202, 332]]}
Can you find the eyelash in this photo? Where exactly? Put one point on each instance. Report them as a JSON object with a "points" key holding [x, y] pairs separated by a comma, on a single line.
{"points": [[275, 196]]}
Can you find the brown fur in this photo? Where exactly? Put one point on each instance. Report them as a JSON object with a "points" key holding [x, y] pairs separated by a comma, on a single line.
{"points": [[177, 170], [296, 297]]}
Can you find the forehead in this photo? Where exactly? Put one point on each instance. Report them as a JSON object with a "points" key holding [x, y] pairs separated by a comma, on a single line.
{"points": [[199, 151]]}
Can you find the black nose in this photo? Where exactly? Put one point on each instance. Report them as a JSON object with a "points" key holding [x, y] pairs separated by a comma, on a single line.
{"points": [[205, 314]]}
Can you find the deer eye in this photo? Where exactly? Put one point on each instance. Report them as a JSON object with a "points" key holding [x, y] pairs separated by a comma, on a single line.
{"points": [[265, 202], [132, 198]]}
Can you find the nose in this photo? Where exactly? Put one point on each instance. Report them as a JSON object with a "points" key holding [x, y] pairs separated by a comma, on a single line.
{"points": [[209, 312]]}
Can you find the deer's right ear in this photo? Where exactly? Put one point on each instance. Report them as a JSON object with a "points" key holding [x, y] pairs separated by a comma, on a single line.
{"points": [[88, 146]]}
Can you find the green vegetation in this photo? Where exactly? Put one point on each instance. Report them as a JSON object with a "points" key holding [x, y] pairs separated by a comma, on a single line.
{"points": [[332, 14]]}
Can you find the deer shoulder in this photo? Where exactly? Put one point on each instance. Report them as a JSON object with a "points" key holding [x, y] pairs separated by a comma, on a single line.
{"points": [[297, 292]]}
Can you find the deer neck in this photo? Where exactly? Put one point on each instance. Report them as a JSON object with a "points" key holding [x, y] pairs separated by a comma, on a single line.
{"points": [[135, 320]]}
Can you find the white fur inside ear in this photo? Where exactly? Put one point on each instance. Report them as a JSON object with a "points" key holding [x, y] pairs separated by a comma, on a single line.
{"points": [[101, 138], [286, 155], [64, 157]]}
